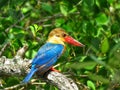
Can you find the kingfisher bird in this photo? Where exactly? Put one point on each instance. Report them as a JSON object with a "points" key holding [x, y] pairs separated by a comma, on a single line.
{"points": [[48, 54]]}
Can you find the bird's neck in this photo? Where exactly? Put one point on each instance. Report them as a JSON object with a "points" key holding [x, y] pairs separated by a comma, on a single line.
{"points": [[55, 41]]}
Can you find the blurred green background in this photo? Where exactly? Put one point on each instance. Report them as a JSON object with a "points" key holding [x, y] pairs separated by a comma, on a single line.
{"points": [[95, 23]]}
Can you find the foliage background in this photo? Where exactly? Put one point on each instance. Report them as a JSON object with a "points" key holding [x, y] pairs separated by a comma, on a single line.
{"points": [[96, 23]]}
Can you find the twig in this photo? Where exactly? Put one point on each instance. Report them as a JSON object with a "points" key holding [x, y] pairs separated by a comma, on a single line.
{"points": [[7, 29], [14, 87], [3, 49], [54, 16], [88, 50], [79, 3], [40, 21]]}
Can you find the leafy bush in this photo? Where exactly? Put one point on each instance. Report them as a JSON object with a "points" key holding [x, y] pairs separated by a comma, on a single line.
{"points": [[93, 22]]}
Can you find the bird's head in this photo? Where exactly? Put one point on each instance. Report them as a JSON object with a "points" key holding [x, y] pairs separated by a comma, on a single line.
{"points": [[59, 36]]}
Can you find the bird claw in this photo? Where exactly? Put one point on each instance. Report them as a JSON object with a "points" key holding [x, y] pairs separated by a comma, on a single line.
{"points": [[53, 69]]}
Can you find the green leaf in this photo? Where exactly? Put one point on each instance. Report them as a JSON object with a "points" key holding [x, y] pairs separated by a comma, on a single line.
{"points": [[11, 35], [64, 9], [110, 1], [47, 7], [35, 26], [73, 10], [102, 19], [104, 45], [117, 6], [59, 22], [91, 85], [33, 30], [39, 28], [26, 9]]}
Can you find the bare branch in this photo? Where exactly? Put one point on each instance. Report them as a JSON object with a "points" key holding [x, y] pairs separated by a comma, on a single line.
{"points": [[21, 51], [64, 82]]}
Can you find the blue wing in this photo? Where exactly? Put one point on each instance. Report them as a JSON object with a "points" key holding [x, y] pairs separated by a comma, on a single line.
{"points": [[47, 52], [45, 58]]}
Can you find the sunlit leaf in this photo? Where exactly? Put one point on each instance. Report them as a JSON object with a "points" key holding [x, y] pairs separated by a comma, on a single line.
{"points": [[102, 19], [11, 36], [33, 30], [26, 9], [64, 9], [35, 26], [117, 6], [73, 10], [39, 28], [91, 85], [104, 45]]}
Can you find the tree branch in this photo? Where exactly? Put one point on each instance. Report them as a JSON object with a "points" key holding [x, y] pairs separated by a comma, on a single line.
{"points": [[18, 66], [64, 83]]}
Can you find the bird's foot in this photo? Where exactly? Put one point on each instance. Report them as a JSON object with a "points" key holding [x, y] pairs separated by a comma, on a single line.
{"points": [[53, 69]]}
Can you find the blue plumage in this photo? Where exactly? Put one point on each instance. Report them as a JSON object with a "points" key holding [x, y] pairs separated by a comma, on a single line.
{"points": [[45, 58]]}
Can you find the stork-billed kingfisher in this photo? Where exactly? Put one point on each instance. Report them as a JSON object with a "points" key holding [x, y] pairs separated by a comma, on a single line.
{"points": [[48, 54]]}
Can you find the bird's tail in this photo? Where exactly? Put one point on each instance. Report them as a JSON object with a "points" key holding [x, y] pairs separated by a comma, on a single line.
{"points": [[29, 75]]}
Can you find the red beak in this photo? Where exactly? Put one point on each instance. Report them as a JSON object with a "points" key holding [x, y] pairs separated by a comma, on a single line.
{"points": [[72, 41]]}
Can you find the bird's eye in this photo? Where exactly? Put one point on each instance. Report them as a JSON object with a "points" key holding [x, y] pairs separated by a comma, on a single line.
{"points": [[64, 35]]}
